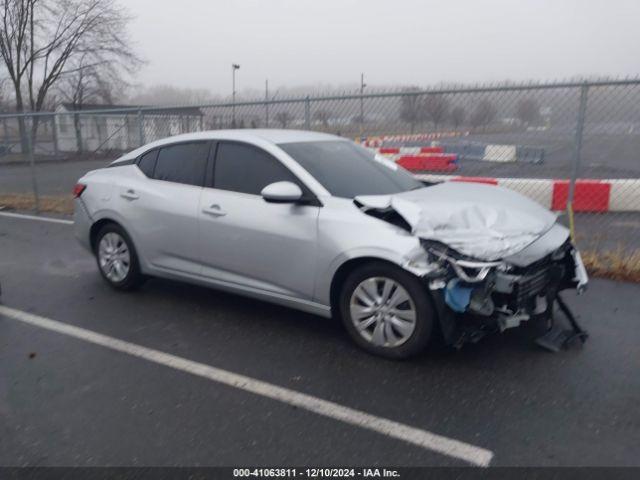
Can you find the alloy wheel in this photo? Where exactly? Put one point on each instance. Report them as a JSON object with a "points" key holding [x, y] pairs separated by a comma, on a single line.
{"points": [[114, 257], [383, 312]]}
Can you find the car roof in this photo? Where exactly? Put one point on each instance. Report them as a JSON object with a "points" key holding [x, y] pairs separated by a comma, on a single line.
{"points": [[254, 136]]}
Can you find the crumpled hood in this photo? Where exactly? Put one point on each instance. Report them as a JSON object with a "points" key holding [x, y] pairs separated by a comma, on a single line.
{"points": [[482, 221]]}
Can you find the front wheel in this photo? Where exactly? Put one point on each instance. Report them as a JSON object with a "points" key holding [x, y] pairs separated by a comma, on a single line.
{"points": [[387, 311], [117, 258]]}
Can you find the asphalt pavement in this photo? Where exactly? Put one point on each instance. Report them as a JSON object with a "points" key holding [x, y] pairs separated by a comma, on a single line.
{"points": [[67, 401]]}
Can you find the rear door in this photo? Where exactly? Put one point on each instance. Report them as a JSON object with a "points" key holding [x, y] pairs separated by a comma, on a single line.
{"points": [[248, 241], [161, 203]]}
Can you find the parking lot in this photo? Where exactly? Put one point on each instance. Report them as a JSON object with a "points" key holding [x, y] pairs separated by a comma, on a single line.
{"points": [[171, 398], [54, 178]]}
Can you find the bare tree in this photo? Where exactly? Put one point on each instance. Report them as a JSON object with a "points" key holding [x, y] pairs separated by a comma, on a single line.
{"points": [[322, 116], [483, 114], [528, 111], [3, 98], [89, 83], [41, 39], [283, 118], [458, 116], [436, 108], [411, 108]]}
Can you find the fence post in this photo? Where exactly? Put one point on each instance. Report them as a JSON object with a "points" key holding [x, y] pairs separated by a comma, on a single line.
{"points": [[141, 128], [54, 132], [361, 116], [362, 85], [32, 164], [582, 108], [307, 113], [77, 128], [266, 113], [5, 128]]}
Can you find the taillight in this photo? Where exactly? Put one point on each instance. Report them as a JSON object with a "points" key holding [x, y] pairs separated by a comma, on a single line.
{"points": [[78, 189]]}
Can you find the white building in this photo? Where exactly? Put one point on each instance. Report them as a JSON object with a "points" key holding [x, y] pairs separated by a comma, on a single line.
{"points": [[126, 129]]}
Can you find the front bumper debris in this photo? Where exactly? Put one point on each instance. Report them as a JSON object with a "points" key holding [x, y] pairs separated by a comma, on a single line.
{"points": [[481, 297], [557, 337]]}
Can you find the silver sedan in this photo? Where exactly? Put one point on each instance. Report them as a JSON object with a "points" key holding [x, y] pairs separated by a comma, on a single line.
{"points": [[321, 224]]}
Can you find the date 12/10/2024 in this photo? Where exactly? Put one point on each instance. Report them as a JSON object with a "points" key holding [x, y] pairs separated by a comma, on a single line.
{"points": [[315, 473]]}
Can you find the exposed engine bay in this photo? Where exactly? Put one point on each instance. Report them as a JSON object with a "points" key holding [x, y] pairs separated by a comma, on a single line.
{"points": [[483, 297]]}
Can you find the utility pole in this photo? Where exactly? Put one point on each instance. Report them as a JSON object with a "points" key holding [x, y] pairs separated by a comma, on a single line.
{"points": [[234, 67], [362, 85]]}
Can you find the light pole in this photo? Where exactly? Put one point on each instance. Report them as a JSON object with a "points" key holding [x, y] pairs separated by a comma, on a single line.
{"points": [[362, 85], [234, 67]]}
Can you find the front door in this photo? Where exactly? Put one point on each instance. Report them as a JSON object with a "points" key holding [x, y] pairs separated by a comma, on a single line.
{"points": [[247, 241]]}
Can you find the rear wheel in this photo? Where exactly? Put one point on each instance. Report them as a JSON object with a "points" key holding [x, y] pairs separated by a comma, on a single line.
{"points": [[387, 311], [117, 258]]}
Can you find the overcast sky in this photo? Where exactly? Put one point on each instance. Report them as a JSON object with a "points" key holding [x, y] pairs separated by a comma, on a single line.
{"points": [[192, 43]]}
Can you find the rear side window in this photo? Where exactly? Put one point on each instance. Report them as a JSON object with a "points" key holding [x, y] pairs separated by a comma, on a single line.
{"points": [[147, 163], [183, 163], [247, 169]]}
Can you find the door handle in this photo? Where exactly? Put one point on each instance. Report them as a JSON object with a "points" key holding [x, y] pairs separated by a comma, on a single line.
{"points": [[130, 194], [214, 210]]}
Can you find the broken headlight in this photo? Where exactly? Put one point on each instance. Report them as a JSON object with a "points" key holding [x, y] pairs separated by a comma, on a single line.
{"points": [[422, 263], [471, 271], [466, 269]]}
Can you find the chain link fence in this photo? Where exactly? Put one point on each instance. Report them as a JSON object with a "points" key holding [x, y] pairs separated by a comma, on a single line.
{"points": [[573, 147]]}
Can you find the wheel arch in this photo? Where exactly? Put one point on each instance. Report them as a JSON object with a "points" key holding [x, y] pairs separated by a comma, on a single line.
{"points": [[445, 322], [108, 216], [105, 220], [96, 227], [343, 271]]}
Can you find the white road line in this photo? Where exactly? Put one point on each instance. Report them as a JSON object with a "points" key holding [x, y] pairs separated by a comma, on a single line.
{"points": [[35, 217], [422, 438]]}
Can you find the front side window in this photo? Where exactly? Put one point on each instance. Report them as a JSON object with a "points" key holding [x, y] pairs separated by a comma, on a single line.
{"points": [[247, 169], [183, 163], [348, 170]]}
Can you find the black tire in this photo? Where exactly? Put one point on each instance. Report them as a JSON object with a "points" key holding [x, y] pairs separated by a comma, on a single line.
{"points": [[134, 277], [425, 313]]}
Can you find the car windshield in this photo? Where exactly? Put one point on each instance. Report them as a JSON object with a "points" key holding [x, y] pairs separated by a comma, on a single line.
{"points": [[348, 170]]}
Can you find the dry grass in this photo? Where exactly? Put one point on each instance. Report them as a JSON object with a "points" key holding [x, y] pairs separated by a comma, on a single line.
{"points": [[48, 204], [618, 264]]}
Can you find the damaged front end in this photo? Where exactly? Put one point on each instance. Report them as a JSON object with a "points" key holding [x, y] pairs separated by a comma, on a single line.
{"points": [[491, 257], [474, 297]]}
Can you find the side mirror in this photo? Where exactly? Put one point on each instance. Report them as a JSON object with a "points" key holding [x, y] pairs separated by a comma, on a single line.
{"points": [[282, 192]]}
